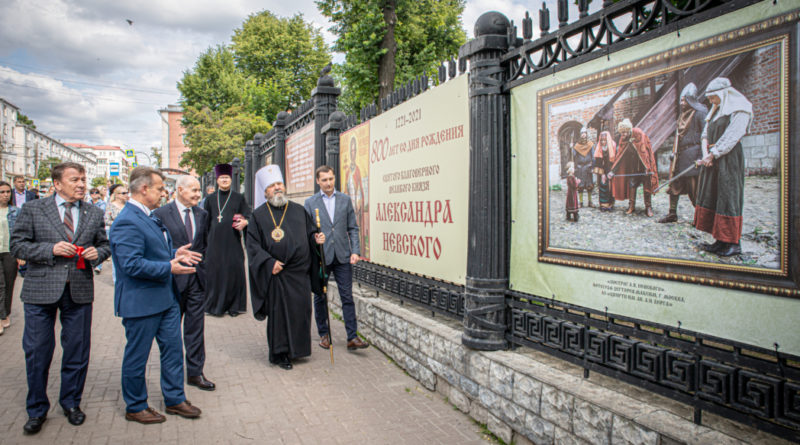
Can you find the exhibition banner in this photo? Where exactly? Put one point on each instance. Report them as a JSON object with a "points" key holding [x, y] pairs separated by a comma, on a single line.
{"points": [[619, 207], [416, 192], [300, 161]]}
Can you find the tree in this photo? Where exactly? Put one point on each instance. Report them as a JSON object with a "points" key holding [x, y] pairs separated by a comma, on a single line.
{"points": [[284, 56], [45, 167], [387, 43], [99, 181], [219, 136], [25, 120], [157, 154]]}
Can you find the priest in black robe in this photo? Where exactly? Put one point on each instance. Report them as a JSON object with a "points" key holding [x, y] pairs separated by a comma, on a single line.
{"points": [[228, 213], [281, 244]]}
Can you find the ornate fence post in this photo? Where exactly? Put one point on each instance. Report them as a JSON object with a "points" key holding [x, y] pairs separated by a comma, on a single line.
{"points": [[249, 168], [331, 130], [279, 156], [325, 96], [237, 169], [487, 252]]}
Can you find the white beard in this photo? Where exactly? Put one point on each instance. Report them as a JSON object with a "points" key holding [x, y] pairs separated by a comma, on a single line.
{"points": [[277, 200]]}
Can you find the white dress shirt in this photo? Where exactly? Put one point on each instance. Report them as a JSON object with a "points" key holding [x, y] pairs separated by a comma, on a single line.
{"points": [[330, 203], [182, 212], [75, 210]]}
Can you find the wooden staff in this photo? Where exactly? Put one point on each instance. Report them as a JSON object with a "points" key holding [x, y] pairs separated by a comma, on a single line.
{"points": [[325, 288]]}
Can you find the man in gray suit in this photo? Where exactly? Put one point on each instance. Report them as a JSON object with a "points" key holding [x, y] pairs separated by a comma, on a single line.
{"points": [[338, 221], [61, 237]]}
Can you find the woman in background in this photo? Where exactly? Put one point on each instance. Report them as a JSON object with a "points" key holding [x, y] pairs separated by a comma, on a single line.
{"points": [[8, 264], [118, 194]]}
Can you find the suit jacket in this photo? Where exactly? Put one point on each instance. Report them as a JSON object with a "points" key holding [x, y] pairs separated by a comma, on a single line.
{"points": [[173, 220], [142, 255], [37, 229], [341, 236], [29, 196]]}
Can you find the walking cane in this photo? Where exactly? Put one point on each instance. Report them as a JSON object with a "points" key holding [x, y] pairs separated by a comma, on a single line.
{"points": [[325, 289]]}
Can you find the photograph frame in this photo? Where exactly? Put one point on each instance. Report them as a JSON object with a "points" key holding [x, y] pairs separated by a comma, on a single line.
{"points": [[781, 281]]}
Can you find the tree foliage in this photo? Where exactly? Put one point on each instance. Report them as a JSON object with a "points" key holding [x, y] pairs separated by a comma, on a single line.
{"points": [[283, 55], [425, 33], [235, 91], [219, 136], [46, 166], [99, 181], [157, 155], [25, 120]]}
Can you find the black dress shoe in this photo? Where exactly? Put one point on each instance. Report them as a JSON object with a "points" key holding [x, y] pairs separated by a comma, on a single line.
{"points": [[233, 313], [34, 424], [201, 382], [75, 416], [729, 249], [284, 362]]}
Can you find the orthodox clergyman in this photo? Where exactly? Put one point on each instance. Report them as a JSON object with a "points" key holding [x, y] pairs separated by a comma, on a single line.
{"points": [[280, 247]]}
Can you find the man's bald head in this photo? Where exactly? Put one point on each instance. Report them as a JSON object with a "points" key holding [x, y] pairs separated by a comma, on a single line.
{"points": [[188, 188]]}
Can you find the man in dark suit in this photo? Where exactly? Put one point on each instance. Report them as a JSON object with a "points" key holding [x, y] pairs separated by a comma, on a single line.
{"points": [[342, 249], [61, 237], [187, 224], [147, 300], [20, 195]]}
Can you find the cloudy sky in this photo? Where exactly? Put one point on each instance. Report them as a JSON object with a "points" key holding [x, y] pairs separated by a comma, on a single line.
{"points": [[84, 74]]}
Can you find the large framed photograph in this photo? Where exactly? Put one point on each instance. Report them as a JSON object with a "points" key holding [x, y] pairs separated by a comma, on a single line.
{"points": [[677, 165]]}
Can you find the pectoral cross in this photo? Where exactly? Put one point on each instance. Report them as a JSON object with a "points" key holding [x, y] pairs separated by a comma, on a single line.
{"points": [[219, 218]]}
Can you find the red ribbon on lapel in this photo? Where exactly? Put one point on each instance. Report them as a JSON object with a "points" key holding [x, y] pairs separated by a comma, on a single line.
{"points": [[81, 263]]}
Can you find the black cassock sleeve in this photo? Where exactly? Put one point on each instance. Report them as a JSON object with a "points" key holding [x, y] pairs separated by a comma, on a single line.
{"points": [[261, 264]]}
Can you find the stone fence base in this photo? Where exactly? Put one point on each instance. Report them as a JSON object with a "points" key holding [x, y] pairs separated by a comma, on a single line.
{"points": [[530, 397]]}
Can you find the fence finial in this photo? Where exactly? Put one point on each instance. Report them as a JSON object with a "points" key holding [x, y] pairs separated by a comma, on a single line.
{"points": [[527, 27], [544, 19], [563, 13]]}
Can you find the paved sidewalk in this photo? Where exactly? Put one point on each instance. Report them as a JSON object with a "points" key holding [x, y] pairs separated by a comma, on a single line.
{"points": [[363, 399]]}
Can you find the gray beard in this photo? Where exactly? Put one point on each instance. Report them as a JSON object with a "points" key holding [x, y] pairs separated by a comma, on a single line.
{"points": [[278, 200]]}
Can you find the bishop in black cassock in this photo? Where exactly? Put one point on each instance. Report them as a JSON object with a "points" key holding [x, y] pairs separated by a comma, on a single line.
{"points": [[281, 243]]}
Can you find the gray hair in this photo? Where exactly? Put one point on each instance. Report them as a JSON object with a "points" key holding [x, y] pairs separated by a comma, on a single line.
{"points": [[185, 181], [142, 176]]}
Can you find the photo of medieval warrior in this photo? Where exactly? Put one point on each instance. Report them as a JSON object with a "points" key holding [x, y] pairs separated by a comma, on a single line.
{"points": [[582, 165], [711, 131], [604, 153], [684, 166], [573, 185], [634, 166], [720, 196]]}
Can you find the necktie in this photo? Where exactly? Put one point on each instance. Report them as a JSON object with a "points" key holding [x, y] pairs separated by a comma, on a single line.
{"points": [[187, 220], [68, 220]]}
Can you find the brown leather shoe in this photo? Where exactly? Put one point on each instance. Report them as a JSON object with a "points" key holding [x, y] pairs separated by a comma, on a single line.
{"points": [[670, 218], [357, 343], [325, 342], [146, 416], [185, 409]]}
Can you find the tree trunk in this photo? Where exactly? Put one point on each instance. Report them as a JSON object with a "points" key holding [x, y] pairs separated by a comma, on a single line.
{"points": [[386, 66]]}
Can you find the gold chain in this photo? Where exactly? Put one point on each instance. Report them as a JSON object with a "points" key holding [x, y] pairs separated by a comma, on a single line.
{"points": [[277, 226]]}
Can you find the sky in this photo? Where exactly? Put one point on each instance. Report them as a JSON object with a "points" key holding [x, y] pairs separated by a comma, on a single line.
{"points": [[84, 74]]}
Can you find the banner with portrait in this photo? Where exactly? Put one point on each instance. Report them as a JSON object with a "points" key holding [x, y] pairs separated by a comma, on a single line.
{"points": [[663, 179], [416, 184], [354, 178]]}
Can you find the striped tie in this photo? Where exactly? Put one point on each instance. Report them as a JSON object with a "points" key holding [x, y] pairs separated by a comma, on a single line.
{"points": [[68, 220]]}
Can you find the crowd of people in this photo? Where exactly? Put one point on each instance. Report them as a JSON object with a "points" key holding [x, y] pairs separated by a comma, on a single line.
{"points": [[176, 258], [707, 165]]}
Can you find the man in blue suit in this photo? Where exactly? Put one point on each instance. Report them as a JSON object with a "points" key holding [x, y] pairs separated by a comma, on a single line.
{"points": [[147, 300], [342, 249], [186, 223]]}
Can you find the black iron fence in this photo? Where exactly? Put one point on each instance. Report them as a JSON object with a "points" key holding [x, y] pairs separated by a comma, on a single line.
{"points": [[752, 385]]}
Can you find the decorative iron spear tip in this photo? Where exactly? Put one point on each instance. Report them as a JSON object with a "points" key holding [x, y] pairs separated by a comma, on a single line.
{"points": [[442, 73], [544, 19], [607, 3], [583, 8], [527, 27], [563, 13]]}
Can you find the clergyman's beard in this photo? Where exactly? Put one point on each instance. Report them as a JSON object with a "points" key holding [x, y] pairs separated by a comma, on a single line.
{"points": [[278, 199]]}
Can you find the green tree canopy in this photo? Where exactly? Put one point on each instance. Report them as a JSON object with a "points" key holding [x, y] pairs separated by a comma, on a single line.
{"points": [[388, 42], [45, 167], [219, 136], [25, 120], [157, 155], [283, 55]]}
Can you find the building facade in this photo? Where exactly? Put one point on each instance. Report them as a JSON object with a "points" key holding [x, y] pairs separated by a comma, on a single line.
{"points": [[172, 134]]}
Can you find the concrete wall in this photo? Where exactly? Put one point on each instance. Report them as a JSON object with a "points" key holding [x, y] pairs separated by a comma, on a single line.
{"points": [[529, 397]]}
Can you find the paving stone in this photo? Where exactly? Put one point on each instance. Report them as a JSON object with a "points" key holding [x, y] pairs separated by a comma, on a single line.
{"points": [[363, 398]]}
